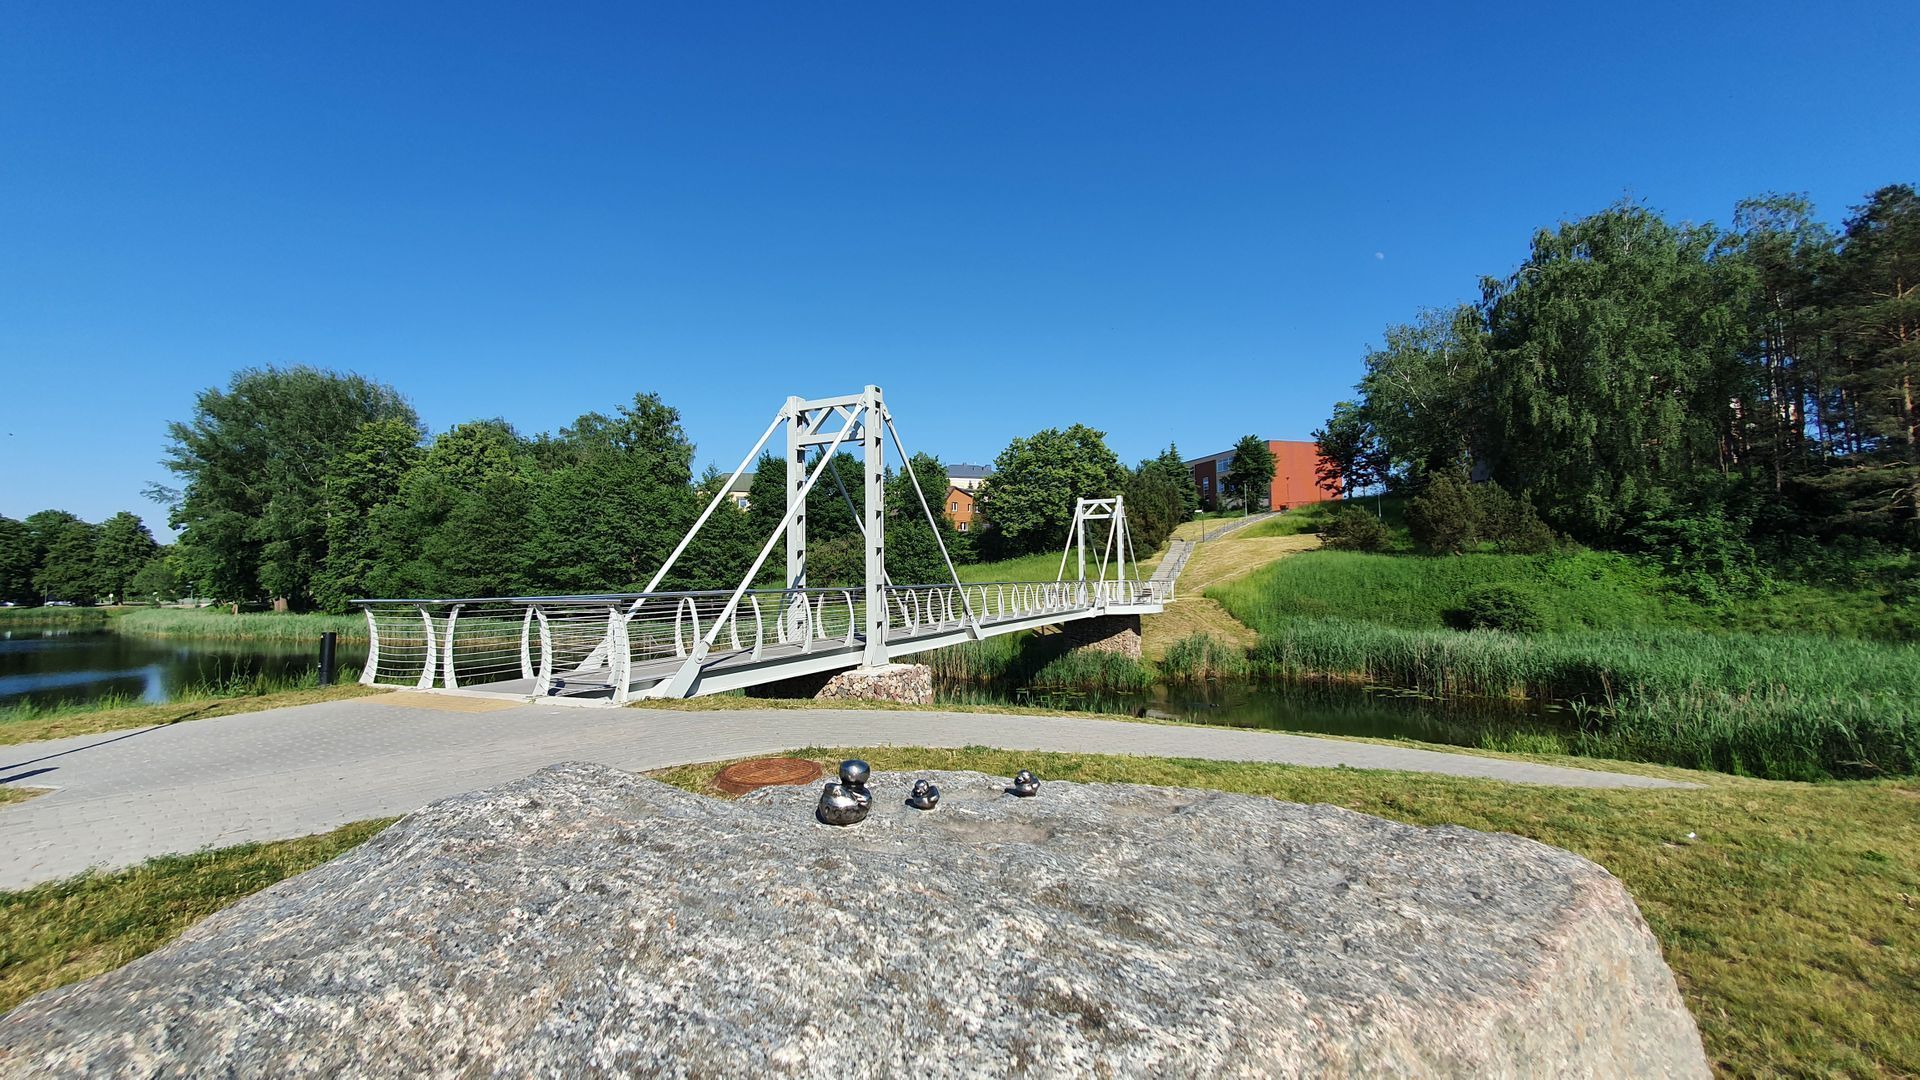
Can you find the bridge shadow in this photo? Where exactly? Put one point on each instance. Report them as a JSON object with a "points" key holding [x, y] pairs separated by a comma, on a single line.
{"points": [[1032, 653], [120, 737]]}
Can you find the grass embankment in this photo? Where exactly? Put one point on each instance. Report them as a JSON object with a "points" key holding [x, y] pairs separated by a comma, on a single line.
{"points": [[1789, 912], [65, 931], [32, 723], [1791, 916], [1643, 680], [219, 624]]}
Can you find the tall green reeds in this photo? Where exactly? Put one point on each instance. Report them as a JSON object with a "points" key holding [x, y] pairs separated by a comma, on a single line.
{"points": [[1043, 661], [218, 624]]}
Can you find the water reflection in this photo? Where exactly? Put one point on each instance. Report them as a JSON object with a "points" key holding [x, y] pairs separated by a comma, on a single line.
{"points": [[53, 666]]}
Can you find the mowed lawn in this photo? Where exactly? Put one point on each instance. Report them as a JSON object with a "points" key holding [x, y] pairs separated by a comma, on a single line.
{"points": [[1789, 912]]}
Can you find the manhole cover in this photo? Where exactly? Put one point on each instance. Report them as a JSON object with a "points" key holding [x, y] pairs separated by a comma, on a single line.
{"points": [[744, 776]]}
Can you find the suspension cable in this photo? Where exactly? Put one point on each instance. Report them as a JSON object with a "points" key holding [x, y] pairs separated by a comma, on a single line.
{"points": [[906, 466]]}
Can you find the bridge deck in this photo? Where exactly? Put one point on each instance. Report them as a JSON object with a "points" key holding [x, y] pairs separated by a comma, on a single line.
{"points": [[738, 669], [610, 648]]}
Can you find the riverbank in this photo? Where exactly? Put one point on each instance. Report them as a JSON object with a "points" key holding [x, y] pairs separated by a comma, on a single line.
{"points": [[208, 623], [1633, 671], [31, 723]]}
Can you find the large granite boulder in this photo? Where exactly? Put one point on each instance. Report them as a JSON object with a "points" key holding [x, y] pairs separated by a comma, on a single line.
{"points": [[586, 920]]}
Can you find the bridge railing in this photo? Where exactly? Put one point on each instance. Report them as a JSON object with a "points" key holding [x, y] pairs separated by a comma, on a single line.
{"points": [[594, 644], [582, 644]]}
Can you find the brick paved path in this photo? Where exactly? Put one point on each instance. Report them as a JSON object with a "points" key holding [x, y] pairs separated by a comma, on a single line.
{"points": [[122, 797]]}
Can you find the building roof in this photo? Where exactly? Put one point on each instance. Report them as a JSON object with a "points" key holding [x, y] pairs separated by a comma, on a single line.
{"points": [[969, 472], [742, 484]]}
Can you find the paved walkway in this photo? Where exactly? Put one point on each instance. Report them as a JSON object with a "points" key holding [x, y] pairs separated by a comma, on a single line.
{"points": [[122, 797]]}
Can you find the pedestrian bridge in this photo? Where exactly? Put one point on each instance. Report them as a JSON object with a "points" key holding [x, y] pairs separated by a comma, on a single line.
{"points": [[611, 648]]}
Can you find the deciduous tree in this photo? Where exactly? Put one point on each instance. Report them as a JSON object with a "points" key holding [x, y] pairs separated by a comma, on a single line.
{"points": [[1250, 476], [1037, 480], [122, 548], [252, 462]]}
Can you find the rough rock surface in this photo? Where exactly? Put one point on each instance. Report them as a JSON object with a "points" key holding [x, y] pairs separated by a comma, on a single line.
{"points": [[588, 921], [908, 684]]}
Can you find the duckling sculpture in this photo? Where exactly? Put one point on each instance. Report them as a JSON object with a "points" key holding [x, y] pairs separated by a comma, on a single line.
{"points": [[854, 774], [925, 795], [838, 806], [1025, 785]]}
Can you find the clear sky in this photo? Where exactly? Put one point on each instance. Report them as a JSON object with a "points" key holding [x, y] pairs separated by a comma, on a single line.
{"points": [[1172, 222]]}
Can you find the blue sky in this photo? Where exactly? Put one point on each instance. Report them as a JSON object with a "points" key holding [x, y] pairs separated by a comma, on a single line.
{"points": [[1172, 222]]}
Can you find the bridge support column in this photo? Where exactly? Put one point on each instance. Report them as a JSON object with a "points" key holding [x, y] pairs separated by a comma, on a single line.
{"points": [[1105, 633], [905, 684]]}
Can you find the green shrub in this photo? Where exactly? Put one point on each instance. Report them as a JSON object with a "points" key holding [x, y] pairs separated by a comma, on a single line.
{"points": [[1353, 529], [1707, 555], [1445, 517], [1499, 606], [1511, 522]]}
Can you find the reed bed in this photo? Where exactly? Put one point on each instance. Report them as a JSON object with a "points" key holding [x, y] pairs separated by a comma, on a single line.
{"points": [[1779, 707], [53, 617], [1203, 658], [1039, 661], [218, 625]]}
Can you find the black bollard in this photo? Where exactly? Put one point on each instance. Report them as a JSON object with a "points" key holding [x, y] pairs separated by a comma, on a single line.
{"points": [[326, 658]]}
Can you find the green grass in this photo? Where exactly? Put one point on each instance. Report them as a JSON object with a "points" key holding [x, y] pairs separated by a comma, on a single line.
{"points": [[1576, 590], [218, 624], [1042, 567], [1585, 590], [1643, 675], [33, 723], [65, 931], [1790, 913]]}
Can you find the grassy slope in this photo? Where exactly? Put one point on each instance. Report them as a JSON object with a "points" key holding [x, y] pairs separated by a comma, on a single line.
{"points": [[1791, 917], [24, 724], [1579, 590], [1672, 685]]}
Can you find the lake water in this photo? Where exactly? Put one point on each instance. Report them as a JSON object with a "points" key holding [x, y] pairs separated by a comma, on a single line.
{"points": [[52, 666], [49, 666]]}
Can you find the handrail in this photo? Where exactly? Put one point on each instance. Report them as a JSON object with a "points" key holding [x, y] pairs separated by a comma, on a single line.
{"points": [[590, 643]]}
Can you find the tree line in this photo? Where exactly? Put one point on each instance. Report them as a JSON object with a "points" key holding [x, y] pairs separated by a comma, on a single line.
{"points": [[316, 488], [55, 557], [1660, 384]]}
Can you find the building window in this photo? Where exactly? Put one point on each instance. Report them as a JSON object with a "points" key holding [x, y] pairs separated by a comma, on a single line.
{"points": [[953, 508], [963, 526]]}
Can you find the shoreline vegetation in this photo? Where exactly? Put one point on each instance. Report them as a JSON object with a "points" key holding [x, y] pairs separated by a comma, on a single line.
{"points": [[1784, 909], [27, 722], [208, 623], [1805, 683]]}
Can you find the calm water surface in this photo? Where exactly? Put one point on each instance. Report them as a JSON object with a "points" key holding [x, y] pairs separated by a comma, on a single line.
{"points": [[52, 666]]}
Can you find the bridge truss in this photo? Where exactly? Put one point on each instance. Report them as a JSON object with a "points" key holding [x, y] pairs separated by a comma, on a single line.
{"points": [[611, 648]]}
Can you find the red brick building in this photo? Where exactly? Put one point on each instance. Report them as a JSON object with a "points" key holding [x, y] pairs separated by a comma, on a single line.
{"points": [[1294, 479]]}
